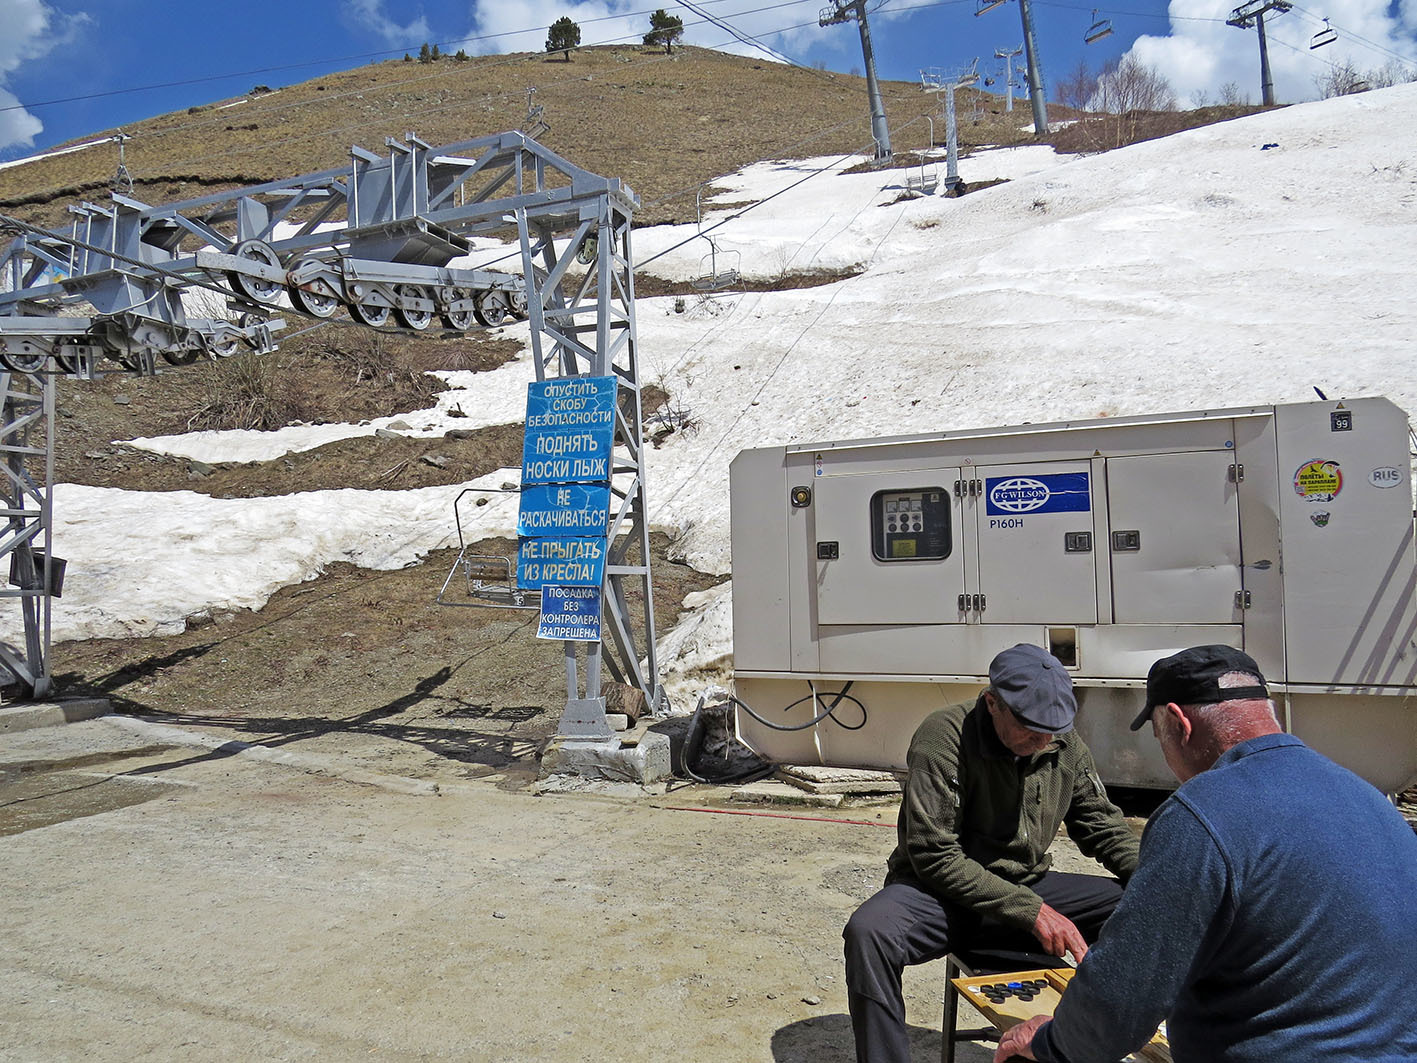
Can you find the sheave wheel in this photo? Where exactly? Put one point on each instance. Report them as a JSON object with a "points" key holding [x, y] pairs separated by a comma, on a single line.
{"points": [[418, 320], [371, 314], [257, 289], [314, 299], [492, 308]]}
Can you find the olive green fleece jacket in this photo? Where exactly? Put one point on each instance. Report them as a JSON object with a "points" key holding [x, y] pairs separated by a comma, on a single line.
{"points": [[976, 821]]}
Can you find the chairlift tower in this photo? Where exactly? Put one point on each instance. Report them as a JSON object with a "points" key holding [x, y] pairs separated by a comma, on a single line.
{"points": [[1008, 58], [845, 11], [1034, 65], [1252, 14], [933, 80], [374, 239]]}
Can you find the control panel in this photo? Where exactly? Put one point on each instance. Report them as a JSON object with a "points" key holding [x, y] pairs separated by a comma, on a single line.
{"points": [[911, 525]]}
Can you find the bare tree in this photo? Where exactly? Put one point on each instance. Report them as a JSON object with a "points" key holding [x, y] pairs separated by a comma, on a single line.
{"points": [[1394, 72], [1231, 96], [1200, 99], [1341, 79], [1130, 85], [1077, 88]]}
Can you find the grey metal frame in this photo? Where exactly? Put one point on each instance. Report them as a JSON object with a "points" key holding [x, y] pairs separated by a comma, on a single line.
{"points": [[374, 237], [27, 434]]}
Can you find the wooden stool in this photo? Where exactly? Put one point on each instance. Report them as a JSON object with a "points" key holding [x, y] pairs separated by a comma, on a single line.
{"points": [[971, 962]]}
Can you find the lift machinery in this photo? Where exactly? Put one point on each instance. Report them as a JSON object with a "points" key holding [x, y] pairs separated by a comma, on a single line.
{"points": [[386, 240]]}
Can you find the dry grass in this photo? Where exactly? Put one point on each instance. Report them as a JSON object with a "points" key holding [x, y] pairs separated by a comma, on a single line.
{"points": [[664, 124], [246, 391], [1103, 132]]}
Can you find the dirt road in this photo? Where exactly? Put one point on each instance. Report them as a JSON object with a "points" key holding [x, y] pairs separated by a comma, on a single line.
{"points": [[167, 900]]}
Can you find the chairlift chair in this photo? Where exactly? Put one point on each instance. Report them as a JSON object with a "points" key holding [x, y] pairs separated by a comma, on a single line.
{"points": [[489, 580], [1100, 28], [713, 275], [927, 180], [1327, 35], [719, 269], [987, 5]]}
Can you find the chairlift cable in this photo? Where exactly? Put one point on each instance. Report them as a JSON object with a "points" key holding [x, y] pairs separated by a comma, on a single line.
{"points": [[277, 108], [384, 53], [1350, 35], [358, 126], [9, 222]]}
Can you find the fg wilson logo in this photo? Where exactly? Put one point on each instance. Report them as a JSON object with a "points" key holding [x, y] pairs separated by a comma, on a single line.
{"points": [[1021, 494]]}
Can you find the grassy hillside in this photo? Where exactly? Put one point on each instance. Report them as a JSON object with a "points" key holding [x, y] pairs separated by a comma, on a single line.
{"points": [[663, 123]]}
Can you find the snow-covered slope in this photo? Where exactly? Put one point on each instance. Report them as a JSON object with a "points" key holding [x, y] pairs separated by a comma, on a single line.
{"points": [[1240, 263]]}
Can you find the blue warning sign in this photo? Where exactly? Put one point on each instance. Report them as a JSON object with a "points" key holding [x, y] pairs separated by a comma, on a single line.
{"points": [[570, 613], [570, 430]]}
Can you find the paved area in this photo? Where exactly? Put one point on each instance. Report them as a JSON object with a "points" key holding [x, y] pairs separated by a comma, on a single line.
{"points": [[174, 897]]}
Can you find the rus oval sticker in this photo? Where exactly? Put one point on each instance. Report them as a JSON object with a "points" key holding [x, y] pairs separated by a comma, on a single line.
{"points": [[1385, 476]]}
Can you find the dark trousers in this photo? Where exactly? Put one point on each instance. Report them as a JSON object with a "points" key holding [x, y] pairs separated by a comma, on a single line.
{"points": [[903, 925]]}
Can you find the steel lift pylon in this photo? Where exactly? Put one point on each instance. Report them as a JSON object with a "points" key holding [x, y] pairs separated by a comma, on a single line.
{"points": [[387, 240]]}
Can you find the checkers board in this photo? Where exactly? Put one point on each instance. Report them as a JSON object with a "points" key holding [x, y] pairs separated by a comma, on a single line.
{"points": [[1009, 999]]}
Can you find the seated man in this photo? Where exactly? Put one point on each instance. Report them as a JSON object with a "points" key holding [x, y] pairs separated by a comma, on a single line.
{"points": [[989, 782], [1271, 915]]}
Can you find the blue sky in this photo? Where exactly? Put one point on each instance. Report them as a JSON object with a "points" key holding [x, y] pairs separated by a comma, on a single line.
{"points": [[72, 67]]}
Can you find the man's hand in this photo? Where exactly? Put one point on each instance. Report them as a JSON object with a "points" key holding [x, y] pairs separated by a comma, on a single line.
{"points": [[1056, 932], [1019, 1040]]}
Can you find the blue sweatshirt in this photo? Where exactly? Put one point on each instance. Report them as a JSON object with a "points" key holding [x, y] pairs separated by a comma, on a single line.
{"points": [[1272, 917]]}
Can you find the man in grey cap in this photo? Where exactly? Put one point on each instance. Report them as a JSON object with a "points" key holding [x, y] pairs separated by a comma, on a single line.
{"points": [[1270, 916], [989, 783]]}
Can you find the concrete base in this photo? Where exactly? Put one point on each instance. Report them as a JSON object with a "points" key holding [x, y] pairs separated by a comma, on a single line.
{"points": [[646, 761], [780, 793], [28, 716]]}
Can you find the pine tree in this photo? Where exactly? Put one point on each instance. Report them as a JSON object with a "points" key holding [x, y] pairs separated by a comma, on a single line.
{"points": [[424, 54], [563, 36], [665, 29]]}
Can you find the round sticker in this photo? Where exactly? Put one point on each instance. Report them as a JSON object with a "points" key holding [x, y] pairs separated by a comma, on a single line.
{"points": [[1318, 480], [1386, 476]]}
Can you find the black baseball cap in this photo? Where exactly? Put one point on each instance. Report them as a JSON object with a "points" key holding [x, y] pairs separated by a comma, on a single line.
{"points": [[1192, 677], [1036, 687]]}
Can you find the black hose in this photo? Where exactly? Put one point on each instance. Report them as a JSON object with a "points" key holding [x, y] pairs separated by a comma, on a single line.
{"points": [[840, 696]]}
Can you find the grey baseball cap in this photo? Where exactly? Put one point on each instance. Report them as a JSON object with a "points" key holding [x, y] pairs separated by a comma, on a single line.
{"points": [[1036, 686]]}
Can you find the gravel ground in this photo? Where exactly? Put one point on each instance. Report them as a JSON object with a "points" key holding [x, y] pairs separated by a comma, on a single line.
{"points": [[171, 900]]}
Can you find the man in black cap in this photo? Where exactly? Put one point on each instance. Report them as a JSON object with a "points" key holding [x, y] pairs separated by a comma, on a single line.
{"points": [[1270, 917], [989, 783]]}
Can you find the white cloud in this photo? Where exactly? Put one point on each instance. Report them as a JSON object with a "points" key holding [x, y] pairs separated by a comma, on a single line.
{"points": [[370, 15], [32, 29], [1202, 53]]}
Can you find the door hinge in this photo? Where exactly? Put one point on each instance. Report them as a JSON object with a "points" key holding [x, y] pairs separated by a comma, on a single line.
{"points": [[1237, 473], [1242, 599]]}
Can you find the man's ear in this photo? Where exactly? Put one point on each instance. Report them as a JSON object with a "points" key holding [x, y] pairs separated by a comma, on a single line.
{"points": [[1181, 721]]}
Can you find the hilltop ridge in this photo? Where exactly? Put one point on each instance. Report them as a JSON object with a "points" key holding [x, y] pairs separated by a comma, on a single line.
{"points": [[664, 124]]}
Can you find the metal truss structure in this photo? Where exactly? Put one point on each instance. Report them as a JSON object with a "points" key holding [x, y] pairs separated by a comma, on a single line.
{"points": [[377, 240]]}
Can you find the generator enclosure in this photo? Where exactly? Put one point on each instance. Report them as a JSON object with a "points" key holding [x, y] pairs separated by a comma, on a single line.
{"points": [[894, 569]]}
